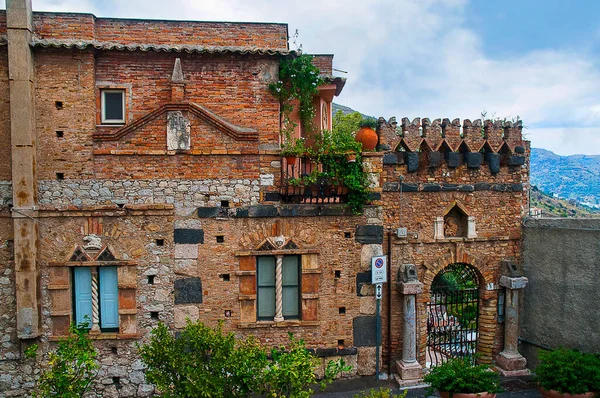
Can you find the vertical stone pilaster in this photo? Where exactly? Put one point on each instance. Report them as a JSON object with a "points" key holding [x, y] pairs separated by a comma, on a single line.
{"points": [[510, 362], [471, 232], [21, 72], [438, 225], [409, 368]]}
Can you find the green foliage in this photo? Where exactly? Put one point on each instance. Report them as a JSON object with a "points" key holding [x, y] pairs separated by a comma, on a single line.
{"points": [[381, 393], [331, 151], [346, 124], [298, 80], [202, 362], [205, 362], [294, 147], [568, 371], [292, 371], [71, 368], [369, 121], [459, 375]]}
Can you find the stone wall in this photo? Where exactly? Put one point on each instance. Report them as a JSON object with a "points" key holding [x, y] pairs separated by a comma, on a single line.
{"points": [[561, 258]]}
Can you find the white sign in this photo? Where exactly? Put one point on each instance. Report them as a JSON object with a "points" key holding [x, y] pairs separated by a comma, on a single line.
{"points": [[379, 269]]}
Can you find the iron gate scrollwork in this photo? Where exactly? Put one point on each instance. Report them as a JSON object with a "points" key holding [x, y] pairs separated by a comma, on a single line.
{"points": [[452, 314]]}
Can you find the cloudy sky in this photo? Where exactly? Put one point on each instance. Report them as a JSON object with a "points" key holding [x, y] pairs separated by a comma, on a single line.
{"points": [[536, 59]]}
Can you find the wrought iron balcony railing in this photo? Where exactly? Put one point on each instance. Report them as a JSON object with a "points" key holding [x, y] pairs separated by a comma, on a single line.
{"points": [[303, 181]]}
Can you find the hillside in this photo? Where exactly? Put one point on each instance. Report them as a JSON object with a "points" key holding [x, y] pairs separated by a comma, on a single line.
{"points": [[552, 207], [574, 177]]}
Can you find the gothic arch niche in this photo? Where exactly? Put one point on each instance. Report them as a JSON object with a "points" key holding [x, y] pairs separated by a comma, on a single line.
{"points": [[456, 223], [453, 314]]}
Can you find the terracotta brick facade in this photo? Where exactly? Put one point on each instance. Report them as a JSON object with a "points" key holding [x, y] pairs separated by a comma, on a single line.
{"points": [[185, 227]]}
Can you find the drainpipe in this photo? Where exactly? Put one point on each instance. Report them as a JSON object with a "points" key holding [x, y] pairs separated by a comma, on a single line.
{"points": [[389, 303]]}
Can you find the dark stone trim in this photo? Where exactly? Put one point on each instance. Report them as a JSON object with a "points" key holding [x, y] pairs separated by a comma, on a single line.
{"points": [[412, 161], [449, 187], [207, 212], [259, 211], [390, 158], [482, 186], [375, 196], [466, 188], [188, 291], [520, 149], [473, 159], [369, 234], [517, 187], [431, 188], [453, 159], [332, 352], [272, 196], [363, 328], [391, 186], [435, 159], [493, 160], [188, 236], [410, 187], [516, 160]]}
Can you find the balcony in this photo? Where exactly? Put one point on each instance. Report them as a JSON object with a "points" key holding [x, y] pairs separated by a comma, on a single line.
{"points": [[305, 181]]}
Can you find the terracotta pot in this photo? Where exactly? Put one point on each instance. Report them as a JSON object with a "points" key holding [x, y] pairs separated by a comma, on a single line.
{"points": [[446, 394], [367, 137], [556, 394], [290, 159], [351, 157]]}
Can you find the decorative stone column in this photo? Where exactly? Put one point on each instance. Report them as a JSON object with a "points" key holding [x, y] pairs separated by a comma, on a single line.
{"points": [[279, 289], [509, 361], [95, 307], [409, 368]]}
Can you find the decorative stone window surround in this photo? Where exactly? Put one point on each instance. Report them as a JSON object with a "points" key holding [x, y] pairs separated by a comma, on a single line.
{"points": [[438, 225], [310, 277], [61, 292]]}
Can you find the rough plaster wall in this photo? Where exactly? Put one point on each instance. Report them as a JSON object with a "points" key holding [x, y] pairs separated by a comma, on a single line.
{"points": [[561, 307]]}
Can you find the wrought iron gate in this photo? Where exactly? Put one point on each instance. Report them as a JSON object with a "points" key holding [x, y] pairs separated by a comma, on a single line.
{"points": [[452, 314]]}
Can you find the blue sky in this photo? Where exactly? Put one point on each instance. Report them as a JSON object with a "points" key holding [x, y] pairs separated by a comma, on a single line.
{"points": [[538, 59]]}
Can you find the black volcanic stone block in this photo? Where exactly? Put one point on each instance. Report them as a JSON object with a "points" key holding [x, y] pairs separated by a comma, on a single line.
{"points": [[494, 162], [412, 161], [369, 234], [473, 159], [188, 291], [364, 331], [189, 236], [516, 160], [454, 159]]}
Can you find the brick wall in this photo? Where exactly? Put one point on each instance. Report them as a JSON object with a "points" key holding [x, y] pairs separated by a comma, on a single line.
{"points": [[5, 161]]}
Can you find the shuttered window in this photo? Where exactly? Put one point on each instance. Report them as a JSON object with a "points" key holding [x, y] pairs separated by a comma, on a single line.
{"points": [[108, 297], [266, 287], [83, 295]]}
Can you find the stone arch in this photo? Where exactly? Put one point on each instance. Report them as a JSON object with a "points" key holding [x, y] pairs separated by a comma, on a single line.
{"points": [[479, 264]]}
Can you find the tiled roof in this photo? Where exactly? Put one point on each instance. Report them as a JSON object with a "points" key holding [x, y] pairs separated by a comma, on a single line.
{"points": [[83, 44]]}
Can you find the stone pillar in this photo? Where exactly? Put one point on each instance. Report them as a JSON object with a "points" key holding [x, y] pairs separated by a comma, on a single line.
{"points": [[471, 233], [509, 361], [409, 368], [279, 289], [438, 228], [21, 75]]}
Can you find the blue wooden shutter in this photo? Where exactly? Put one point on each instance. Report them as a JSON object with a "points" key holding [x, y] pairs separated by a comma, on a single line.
{"points": [[109, 298], [83, 295]]}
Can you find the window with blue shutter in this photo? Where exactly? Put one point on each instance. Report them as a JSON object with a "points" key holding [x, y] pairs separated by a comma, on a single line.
{"points": [[109, 298], [83, 295]]}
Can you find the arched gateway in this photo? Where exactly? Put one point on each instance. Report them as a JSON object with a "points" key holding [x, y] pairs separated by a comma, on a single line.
{"points": [[452, 314]]}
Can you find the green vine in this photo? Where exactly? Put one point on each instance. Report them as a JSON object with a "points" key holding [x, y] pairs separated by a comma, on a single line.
{"points": [[298, 80]]}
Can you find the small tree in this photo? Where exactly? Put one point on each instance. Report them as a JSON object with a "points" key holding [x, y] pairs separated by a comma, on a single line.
{"points": [[71, 368]]}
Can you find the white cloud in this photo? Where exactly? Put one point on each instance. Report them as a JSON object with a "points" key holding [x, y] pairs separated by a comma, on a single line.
{"points": [[414, 58], [566, 140]]}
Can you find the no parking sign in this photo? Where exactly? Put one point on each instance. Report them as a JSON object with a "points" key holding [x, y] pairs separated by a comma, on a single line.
{"points": [[379, 269]]}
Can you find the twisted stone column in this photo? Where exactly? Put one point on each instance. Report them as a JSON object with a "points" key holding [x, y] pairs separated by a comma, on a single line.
{"points": [[95, 302], [279, 289]]}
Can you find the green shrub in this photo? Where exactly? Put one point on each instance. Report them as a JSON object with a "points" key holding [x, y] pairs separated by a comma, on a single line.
{"points": [[568, 371], [71, 368], [205, 362], [459, 375]]}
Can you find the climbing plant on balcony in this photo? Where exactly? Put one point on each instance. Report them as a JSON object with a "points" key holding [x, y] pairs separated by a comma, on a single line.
{"points": [[298, 80]]}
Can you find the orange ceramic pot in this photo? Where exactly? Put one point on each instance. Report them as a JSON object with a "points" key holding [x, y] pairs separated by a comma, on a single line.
{"points": [[446, 394], [556, 394], [367, 137]]}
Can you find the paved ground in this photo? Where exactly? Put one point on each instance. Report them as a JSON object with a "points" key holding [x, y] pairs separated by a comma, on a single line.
{"points": [[514, 387]]}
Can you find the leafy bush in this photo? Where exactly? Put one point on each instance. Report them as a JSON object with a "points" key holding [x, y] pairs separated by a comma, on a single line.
{"points": [[71, 368], [568, 371], [205, 362], [381, 393], [459, 375]]}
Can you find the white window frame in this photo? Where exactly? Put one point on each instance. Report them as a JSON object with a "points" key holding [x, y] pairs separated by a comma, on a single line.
{"points": [[104, 120]]}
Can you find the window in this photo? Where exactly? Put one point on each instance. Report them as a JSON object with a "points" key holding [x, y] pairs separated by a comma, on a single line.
{"points": [[113, 106], [105, 295], [267, 289]]}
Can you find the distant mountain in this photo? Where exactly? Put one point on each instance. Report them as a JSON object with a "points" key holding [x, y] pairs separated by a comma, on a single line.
{"points": [[345, 109], [553, 207], [574, 177]]}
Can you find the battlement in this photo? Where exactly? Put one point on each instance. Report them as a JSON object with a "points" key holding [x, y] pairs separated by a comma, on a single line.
{"points": [[496, 136]]}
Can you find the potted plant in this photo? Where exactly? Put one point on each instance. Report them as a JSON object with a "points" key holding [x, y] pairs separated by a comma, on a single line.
{"points": [[459, 378], [293, 148], [367, 135], [568, 373]]}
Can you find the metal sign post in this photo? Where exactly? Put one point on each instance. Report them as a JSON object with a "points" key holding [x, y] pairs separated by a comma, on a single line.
{"points": [[378, 278]]}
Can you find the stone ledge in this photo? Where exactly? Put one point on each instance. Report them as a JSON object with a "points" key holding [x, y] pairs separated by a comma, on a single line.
{"points": [[273, 324], [443, 186], [102, 336], [283, 210]]}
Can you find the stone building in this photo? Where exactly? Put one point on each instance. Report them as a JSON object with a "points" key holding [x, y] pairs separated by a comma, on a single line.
{"points": [[143, 184]]}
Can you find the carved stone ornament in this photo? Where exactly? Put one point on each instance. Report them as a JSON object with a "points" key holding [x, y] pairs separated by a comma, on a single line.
{"points": [[278, 241], [409, 273], [178, 131], [93, 242]]}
